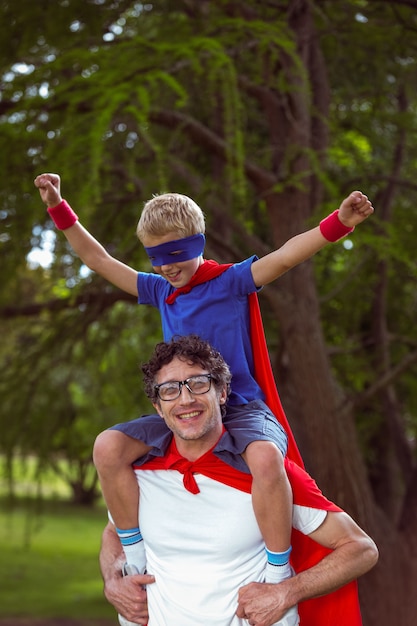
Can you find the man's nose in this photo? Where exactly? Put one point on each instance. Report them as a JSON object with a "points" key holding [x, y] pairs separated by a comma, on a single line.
{"points": [[185, 395]]}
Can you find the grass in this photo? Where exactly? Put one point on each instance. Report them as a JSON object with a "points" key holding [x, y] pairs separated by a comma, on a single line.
{"points": [[49, 559]]}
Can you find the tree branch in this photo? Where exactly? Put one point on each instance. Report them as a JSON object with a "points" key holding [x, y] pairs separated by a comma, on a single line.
{"points": [[381, 382], [262, 179], [104, 299]]}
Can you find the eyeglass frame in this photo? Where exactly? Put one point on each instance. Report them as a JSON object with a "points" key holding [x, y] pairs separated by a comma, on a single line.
{"points": [[184, 383]]}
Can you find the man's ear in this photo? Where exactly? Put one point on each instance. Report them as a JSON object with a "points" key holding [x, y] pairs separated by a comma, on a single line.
{"points": [[223, 396]]}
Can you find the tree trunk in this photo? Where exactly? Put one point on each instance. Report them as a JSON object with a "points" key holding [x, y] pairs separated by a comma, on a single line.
{"points": [[325, 432]]}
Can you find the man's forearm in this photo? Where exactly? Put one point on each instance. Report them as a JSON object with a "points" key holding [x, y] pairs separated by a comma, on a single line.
{"points": [[337, 569], [126, 593], [353, 554], [266, 604], [111, 555]]}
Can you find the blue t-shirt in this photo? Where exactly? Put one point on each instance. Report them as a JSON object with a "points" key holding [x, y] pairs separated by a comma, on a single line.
{"points": [[217, 311]]}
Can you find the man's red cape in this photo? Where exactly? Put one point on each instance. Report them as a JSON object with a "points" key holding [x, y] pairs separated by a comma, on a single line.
{"points": [[341, 607]]}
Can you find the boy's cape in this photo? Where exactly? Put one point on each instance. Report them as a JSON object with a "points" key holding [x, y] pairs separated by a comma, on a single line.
{"points": [[342, 606]]}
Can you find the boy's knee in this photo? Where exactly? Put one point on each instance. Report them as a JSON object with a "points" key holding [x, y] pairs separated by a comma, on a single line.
{"points": [[114, 451], [106, 450], [265, 459]]}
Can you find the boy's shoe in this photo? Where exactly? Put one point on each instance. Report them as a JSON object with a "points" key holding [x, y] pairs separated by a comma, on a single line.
{"points": [[128, 570]]}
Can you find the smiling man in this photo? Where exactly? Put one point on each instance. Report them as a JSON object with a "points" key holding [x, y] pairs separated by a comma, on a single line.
{"points": [[195, 519], [203, 544]]}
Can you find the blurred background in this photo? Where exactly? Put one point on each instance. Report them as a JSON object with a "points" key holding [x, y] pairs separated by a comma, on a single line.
{"points": [[268, 114]]}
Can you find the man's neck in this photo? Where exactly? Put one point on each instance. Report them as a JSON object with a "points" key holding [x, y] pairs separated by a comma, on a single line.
{"points": [[193, 449]]}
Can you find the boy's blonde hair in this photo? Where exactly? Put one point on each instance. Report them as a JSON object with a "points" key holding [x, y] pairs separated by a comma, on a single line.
{"points": [[170, 213]]}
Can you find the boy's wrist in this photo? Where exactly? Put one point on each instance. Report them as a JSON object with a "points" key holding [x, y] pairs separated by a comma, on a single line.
{"points": [[62, 215], [333, 229]]}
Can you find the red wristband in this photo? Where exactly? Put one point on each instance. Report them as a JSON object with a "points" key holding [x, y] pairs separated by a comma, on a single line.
{"points": [[332, 228], [62, 215]]}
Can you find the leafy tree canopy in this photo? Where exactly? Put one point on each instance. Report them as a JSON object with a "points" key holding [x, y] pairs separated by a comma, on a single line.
{"points": [[267, 114]]}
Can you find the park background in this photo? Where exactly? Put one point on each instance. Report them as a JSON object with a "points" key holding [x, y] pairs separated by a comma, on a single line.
{"points": [[268, 113]]}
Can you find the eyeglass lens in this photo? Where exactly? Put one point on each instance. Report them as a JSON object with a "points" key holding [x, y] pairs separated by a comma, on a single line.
{"points": [[196, 385]]}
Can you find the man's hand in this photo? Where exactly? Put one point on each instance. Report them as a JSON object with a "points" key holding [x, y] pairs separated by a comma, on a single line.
{"points": [[49, 187], [355, 209], [263, 604], [128, 596]]}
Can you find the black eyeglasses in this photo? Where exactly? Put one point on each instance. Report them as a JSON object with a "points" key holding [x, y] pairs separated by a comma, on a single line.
{"points": [[171, 390]]}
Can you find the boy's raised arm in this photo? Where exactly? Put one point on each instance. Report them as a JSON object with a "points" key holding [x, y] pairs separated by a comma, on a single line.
{"points": [[90, 251], [353, 211]]}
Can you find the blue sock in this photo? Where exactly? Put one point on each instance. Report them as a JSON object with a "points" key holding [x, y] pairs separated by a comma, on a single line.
{"points": [[130, 536], [133, 546], [278, 567], [278, 558]]}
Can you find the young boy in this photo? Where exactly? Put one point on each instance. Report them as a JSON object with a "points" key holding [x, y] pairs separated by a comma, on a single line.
{"points": [[192, 301]]}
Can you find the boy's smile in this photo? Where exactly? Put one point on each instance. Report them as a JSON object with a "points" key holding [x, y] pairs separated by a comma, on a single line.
{"points": [[179, 274]]}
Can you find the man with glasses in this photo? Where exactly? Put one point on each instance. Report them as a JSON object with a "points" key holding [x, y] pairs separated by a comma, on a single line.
{"points": [[203, 544]]}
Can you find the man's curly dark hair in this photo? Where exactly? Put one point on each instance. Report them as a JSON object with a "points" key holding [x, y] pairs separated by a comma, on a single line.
{"points": [[189, 348]]}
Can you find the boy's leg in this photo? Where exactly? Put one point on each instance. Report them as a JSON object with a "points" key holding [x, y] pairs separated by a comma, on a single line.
{"points": [[113, 454], [272, 504]]}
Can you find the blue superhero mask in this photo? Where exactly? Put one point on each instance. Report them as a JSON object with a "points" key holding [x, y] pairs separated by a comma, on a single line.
{"points": [[176, 251]]}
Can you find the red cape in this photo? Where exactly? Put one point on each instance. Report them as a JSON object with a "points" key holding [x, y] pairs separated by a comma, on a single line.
{"points": [[341, 607]]}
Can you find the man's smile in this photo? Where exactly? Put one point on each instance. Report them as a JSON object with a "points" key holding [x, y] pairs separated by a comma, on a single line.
{"points": [[190, 415]]}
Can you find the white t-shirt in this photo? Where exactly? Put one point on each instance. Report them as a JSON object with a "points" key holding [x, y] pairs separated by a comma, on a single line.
{"points": [[202, 548]]}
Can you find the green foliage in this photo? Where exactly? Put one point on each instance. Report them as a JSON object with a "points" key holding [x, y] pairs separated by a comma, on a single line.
{"points": [[63, 392], [268, 114]]}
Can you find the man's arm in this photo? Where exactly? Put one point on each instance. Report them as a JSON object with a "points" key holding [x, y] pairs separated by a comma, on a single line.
{"points": [[353, 211], [354, 553], [90, 251], [126, 594]]}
